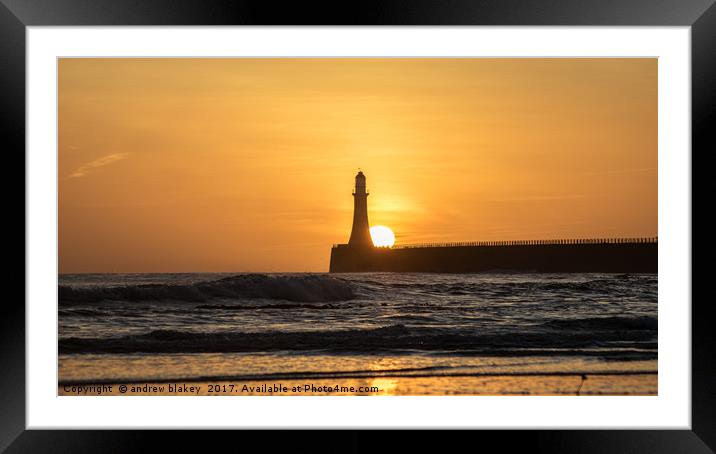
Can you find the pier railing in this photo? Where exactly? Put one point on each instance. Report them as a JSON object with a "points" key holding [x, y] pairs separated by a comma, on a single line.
{"points": [[637, 240], [533, 242]]}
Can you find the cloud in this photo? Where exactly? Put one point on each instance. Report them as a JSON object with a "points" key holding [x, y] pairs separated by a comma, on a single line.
{"points": [[97, 163]]}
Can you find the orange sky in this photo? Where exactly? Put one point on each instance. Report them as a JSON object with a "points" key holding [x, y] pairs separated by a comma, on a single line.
{"points": [[248, 164]]}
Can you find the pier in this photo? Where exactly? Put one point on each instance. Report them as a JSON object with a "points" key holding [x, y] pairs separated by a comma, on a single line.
{"points": [[566, 255]]}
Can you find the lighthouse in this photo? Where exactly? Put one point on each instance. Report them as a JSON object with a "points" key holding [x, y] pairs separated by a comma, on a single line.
{"points": [[360, 233]]}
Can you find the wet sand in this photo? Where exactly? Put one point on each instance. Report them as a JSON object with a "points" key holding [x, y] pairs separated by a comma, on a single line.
{"points": [[545, 385]]}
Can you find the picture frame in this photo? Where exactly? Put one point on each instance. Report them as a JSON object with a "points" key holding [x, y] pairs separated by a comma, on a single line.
{"points": [[15, 16]]}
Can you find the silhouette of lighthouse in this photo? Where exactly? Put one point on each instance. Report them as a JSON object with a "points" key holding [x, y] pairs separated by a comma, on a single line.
{"points": [[360, 233]]}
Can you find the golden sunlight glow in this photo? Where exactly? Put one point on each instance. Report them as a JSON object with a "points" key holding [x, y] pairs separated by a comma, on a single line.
{"points": [[177, 164], [382, 236]]}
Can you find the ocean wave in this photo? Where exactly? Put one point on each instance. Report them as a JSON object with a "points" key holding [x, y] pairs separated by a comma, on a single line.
{"points": [[283, 306], [80, 312], [308, 288], [392, 337], [617, 286]]}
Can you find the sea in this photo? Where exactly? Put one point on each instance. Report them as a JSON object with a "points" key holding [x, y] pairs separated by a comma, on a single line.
{"points": [[363, 333]]}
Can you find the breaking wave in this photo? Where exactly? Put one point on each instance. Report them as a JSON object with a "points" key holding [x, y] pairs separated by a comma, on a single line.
{"points": [[551, 338], [308, 289]]}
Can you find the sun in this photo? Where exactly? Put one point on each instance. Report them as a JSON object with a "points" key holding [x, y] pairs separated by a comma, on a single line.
{"points": [[382, 236]]}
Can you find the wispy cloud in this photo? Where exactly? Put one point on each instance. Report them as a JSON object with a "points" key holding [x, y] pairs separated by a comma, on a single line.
{"points": [[97, 163]]}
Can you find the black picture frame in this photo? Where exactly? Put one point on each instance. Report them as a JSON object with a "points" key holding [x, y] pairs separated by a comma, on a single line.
{"points": [[16, 15]]}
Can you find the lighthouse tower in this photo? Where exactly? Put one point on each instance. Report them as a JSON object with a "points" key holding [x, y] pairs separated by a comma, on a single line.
{"points": [[360, 234]]}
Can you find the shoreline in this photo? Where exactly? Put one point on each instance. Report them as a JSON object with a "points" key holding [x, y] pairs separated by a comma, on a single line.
{"points": [[643, 383]]}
